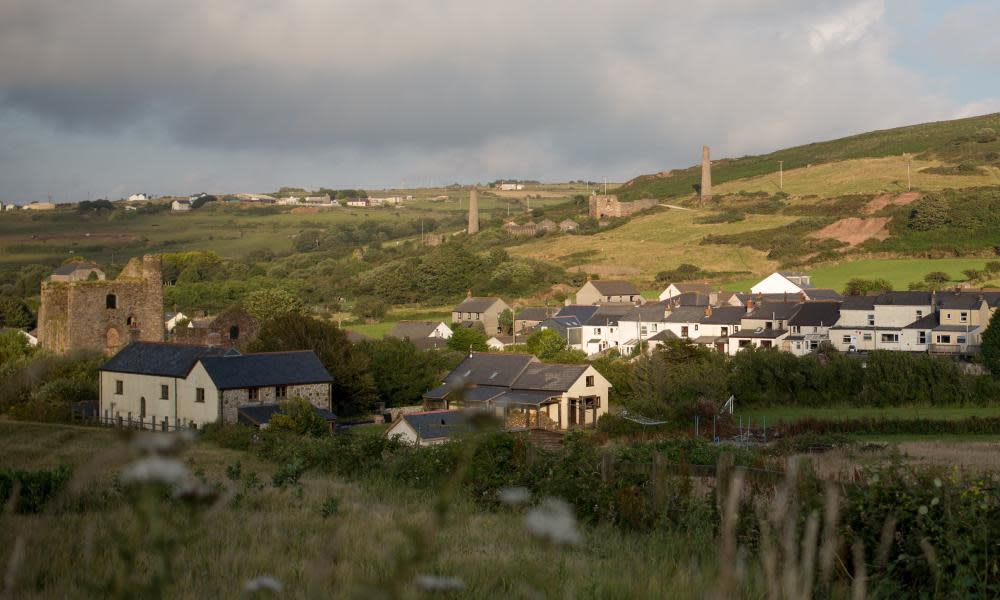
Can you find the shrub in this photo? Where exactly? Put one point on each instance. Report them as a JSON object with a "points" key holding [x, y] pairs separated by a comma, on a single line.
{"points": [[288, 473], [34, 488], [330, 507], [298, 416]]}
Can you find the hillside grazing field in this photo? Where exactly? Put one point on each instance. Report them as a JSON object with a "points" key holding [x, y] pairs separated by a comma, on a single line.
{"points": [[863, 175], [951, 142], [651, 243]]}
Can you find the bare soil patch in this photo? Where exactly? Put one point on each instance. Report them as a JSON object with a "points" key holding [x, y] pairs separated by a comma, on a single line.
{"points": [[854, 230], [885, 200]]}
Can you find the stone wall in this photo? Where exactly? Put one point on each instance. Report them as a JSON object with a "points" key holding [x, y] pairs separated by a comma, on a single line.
{"points": [[81, 315], [220, 331], [609, 206], [317, 394]]}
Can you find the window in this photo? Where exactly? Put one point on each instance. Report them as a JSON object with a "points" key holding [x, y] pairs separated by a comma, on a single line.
{"points": [[922, 337], [684, 331], [798, 345], [724, 330], [643, 330], [871, 320], [281, 391], [963, 317], [765, 344], [131, 322], [867, 337], [944, 339], [119, 387], [890, 338], [253, 393], [199, 395], [164, 392], [590, 381], [111, 301], [234, 332], [597, 331], [744, 343], [813, 345], [960, 339], [846, 339], [920, 314], [796, 329], [948, 316], [696, 327], [769, 325]]}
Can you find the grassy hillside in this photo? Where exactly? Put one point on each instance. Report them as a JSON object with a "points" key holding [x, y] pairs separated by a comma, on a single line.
{"points": [[952, 142]]}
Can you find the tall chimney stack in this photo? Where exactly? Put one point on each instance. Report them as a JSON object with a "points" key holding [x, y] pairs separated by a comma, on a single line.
{"points": [[473, 212], [706, 173]]}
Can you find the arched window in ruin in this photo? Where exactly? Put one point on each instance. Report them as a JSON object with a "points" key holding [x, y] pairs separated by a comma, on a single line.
{"points": [[131, 322], [234, 332], [111, 301], [113, 340]]}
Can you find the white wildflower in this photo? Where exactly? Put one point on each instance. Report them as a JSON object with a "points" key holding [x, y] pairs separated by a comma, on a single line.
{"points": [[937, 482], [161, 443], [263, 583], [155, 470], [514, 496], [438, 583], [553, 520], [934, 501], [922, 510]]}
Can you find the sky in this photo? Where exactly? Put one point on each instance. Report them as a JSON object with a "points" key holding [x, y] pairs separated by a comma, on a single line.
{"points": [[116, 97]]}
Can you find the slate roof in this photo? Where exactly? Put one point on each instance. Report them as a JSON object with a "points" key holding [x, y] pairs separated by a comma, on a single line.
{"points": [[960, 300], [525, 397], [823, 294], [685, 314], [265, 369], [70, 268], [260, 414], [615, 287], [700, 288], [774, 310], [533, 313], [476, 304], [858, 303], [816, 314], [647, 313], [907, 298], [497, 369], [582, 312], [160, 359], [724, 315], [608, 314], [437, 424], [926, 322], [758, 334], [690, 299], [558, 378], [413, 330], [559, 324], [663, 336]]}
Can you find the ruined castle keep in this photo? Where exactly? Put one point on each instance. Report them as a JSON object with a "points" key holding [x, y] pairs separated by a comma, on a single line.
{"points": [[103, 315], [609, 206], [706, 172], [473, 212]]}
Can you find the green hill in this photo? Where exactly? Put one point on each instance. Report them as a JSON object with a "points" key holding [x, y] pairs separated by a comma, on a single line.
{"points": [[969, 143]]}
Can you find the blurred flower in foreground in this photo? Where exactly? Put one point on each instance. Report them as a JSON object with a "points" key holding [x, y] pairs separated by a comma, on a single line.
{"points": [[553, 520], [438, 583], [514, 495], [161, 443], [262, 584], [156, 470]]}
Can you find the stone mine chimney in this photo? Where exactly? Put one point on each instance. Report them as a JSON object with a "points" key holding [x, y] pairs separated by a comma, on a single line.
{"points": [[473, 212], [706, 173]]}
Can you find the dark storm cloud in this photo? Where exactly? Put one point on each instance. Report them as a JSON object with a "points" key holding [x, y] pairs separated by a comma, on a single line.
{"points": [[382, 91]]}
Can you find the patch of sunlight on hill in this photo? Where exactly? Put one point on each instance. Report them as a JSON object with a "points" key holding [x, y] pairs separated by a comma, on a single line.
{"points": [[859, 176], [652, 243]]}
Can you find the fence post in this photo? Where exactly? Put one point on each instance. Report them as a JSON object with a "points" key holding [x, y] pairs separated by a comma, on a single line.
{"points": [[659, 480], [165, 424], [607, 467]]}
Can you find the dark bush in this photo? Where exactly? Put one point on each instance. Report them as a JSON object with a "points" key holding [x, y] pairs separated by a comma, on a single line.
{"points": [[34, 488]]}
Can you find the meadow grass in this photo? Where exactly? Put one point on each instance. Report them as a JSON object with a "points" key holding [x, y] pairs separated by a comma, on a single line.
{"points": [[795, 413], [355, 553]]}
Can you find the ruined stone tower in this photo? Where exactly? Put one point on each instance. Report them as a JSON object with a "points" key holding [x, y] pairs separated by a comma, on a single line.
{"points": [[706, 173], [473, 212], [103, 315]]}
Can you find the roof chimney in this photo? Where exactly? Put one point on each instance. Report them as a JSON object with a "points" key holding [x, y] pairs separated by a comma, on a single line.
{"points": [[468, 293], [802, 297], [750, 304], [708, 311]]}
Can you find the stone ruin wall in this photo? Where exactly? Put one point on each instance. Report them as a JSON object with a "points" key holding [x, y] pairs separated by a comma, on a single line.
{"points": [[74, 315], [609, 206]]}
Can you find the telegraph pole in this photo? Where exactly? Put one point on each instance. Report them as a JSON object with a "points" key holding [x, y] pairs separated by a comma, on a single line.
{"points": [[907, 172], [781, 175]]}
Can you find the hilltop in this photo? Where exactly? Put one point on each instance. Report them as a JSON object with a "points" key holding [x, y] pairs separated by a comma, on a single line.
{"points": [[972, 142]]}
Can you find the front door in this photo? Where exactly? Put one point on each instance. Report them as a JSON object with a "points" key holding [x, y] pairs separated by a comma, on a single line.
{"points": [[573, 411]]}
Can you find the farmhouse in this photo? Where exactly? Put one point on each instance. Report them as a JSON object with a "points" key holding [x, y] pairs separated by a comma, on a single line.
{"points": [[810, 326], [568, 225], [482, 310], [77, 271], [608, 291], [531, 316], [195, 385], [524, 392], [782, 283], [430, 427], [424, 334], [181, 205], [39, 206]]}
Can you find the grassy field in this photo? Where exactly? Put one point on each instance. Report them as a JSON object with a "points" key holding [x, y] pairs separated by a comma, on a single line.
{"points": [[794, 413], [859, 176], [376, 543], [383, 326], [652, 243]]}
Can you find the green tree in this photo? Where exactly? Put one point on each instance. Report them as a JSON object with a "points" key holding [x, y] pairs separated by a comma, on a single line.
{"points": [[974, 275], [369, 307], [506, 321], [546, 344], [270, 303], [402, 373], [13, 348], [465, 339], [929, 212], [15, 313], [859, 286], [299, 417], [991, 345], [353, 384], [937, 277]]}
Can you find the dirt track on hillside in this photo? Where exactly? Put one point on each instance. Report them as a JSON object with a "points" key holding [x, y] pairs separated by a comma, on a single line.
{"points": [[854, 230], [885, 200]]}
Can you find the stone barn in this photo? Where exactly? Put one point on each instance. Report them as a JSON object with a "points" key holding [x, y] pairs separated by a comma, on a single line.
{"points": [[103, 315]]}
